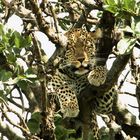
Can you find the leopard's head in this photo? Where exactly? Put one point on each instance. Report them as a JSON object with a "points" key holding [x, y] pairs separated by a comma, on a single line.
{"points": [[80, 51]]}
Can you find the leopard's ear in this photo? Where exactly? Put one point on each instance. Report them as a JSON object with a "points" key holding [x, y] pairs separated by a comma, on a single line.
{"points": [[97, 34]]}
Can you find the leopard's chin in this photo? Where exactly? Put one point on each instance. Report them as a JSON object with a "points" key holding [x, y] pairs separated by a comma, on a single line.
{"points": [[81, 71]]}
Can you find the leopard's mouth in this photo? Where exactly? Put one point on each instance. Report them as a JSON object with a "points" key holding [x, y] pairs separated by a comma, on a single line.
{"points": [[81, 70]]}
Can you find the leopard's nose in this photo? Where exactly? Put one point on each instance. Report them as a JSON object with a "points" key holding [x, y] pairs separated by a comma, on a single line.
{"points": [[81, 59], [85, 64]]}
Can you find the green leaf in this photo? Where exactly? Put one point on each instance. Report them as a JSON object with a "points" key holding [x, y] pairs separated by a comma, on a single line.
{"points": [[11, 57], [2, 46], [112, 9], [126, 45], [129, 5], [58, 119], [18, 39], [5, 75], [109, 2], [24, 80], [75, 139], [22, 84], [1, 30], [34, 122], [111, 6], [33, 125], [36, 116], [2, 96], [122, 9], [135, 25], [71, 131], [63, 133], [26, 42]]}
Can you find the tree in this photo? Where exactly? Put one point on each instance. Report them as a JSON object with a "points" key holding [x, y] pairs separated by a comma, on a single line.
{"points": [[120, 24]]}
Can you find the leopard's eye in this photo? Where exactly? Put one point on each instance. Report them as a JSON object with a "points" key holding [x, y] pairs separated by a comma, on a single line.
{"points": [[78, 29]]}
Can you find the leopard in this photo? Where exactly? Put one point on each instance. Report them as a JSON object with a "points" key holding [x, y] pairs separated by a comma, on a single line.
{"points": [[76, 70]]}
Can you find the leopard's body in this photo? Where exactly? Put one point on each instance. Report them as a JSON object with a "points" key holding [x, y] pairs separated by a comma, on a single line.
{"points": [[76, 71]]}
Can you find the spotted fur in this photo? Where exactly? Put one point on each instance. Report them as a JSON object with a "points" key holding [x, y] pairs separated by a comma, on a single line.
{"points": [[76, 70]]}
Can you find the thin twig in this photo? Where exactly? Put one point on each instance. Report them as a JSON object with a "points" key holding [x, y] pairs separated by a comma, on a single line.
{"points": [[21, 98], [54, 18], [23, 126], [122, 81], [131, 94], [12, 123], [133, 106], [7, 131], [43, 25], [17, 114], [18, 105]]}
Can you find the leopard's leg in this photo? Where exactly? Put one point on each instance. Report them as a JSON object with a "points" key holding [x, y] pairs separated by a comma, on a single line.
{"points": [[90, 130], [94, 127], [66, 96], [68, 101], [103, 104]]}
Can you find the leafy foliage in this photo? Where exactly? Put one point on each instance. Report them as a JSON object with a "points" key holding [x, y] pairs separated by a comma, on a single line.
{"points": [[34, 122], [124, 8], [126, 45], [20, 65], [12, 44], [61, 131]]}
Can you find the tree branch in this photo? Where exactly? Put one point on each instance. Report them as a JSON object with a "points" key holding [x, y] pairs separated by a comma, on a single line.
{"points": [[47, 124], [8, 132], [22, 126], [116, 69], [32, 99], [136, 74], [126, 119], [138, 96], [44, 26]]}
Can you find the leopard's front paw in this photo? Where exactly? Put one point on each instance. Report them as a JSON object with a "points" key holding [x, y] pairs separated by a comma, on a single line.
{"points": [[97, 76], [68, 104]]}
